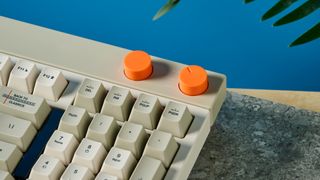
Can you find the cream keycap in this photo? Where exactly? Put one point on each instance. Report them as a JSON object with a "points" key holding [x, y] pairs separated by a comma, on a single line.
{"points": [[118, 103], [132, 137], [103, 129], [76, 172], [90, 154], [90, 95], [119, 162], [146, 111], [106, 176], [10, 155], [23, 76], [75, 120], [50, 84], [47, 168], [23, 105], [175, 119], [16, 131], [162, 146], [5, 67], [61, 145], [4, 175], [148, 168]]}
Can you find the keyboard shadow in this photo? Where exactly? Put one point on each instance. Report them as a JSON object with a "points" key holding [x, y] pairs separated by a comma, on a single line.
{"points": [[160, 70], [71, 88], [214, 83]]}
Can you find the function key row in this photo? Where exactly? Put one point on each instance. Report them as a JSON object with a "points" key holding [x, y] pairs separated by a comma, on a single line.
{"points": [[92, 95], [26, 77], [146, 110]]}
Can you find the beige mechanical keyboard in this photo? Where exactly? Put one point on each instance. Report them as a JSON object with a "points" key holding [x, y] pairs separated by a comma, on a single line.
{"points": [[73, 108]]}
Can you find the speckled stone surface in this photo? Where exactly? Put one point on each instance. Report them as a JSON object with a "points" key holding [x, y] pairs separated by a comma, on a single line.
{"points": [[258, 139]]}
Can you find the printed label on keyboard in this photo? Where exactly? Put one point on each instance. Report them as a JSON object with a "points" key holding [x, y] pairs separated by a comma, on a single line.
{"points": [[23, 105], [17, 99]]}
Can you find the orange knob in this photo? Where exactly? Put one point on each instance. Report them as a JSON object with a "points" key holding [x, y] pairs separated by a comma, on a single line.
{"points": [[137, 65], [193, 80]]}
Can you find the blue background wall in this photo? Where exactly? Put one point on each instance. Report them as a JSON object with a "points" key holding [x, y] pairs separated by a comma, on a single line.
{"points": [[224, 36]]}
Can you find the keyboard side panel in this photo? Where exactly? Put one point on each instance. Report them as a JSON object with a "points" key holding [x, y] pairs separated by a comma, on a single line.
{"points": [[190, 147]]}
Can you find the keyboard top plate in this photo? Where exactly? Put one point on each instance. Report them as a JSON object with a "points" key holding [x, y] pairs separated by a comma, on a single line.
{"points": [[101, 61]]}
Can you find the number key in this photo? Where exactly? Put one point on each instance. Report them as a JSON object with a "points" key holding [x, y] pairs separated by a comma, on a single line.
{"points": [[62, 146], [75, 171], [90, 154], [47, 167], [119, 162]]}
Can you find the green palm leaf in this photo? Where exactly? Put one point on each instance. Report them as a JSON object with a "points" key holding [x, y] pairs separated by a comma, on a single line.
{"points": [[166, 8], [302, 11], [248, 1], [278, 8], [310, 35]]}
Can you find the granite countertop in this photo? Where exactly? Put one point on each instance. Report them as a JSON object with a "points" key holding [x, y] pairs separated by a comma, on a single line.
{"points": [[259, 139]]}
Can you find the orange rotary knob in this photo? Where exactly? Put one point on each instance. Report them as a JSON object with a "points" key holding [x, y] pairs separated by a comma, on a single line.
{"points": [[193, 80], [137, 65]]}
